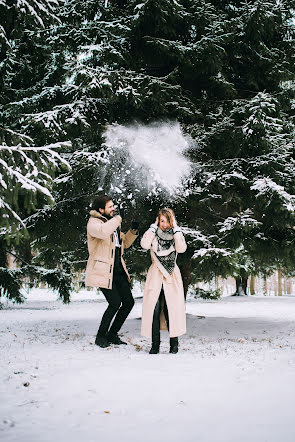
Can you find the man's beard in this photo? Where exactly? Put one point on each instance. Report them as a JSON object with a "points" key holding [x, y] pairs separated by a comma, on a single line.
{"points": [[109, 216]]}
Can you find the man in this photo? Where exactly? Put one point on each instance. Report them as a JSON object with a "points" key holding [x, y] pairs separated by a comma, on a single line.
{"points": [[106, 268]]}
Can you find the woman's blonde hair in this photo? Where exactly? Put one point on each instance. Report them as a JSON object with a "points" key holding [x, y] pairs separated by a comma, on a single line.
{"points": [[168, 213]]}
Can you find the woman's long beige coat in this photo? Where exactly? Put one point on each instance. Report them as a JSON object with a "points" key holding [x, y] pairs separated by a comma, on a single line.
{"points": [[173, 289]]}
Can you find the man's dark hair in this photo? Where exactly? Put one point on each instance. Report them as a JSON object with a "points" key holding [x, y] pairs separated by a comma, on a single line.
{"points": [[99, 202]]}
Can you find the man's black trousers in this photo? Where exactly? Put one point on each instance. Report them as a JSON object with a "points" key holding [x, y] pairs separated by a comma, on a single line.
{"points": [[120, 302]]}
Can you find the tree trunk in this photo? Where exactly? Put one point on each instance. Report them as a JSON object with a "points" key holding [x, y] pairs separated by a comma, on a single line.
{"points": [[241, 286], [264, 285], [289, 287], [3, 254], [185, 270], [3, 263], [184, 261], [216, 283], [252, 285], [280, 291]]}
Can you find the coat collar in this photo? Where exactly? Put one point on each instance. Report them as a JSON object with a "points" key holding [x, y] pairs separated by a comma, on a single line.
{"points": [[96, 214]]}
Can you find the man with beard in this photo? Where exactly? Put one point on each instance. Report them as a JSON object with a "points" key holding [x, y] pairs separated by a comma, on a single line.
{"points": [[106, 268]]}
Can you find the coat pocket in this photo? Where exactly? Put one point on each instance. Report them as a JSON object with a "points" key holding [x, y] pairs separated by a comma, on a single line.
{"points": [[101, 267]]}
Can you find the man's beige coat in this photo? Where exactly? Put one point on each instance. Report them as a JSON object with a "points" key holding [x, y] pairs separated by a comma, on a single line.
{"points": [[173, 289], [101, 248]]}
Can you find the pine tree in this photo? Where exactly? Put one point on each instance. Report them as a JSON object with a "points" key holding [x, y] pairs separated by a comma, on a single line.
{"points": [[27, 168], [222, 69], [245, 178]]}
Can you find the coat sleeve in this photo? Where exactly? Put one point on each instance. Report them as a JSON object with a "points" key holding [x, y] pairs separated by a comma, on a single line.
{"points": [[128, 238], [146, 240], [180, 244], [101, 230]]}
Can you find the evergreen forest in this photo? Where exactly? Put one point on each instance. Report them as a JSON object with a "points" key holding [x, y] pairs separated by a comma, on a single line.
{"points": [[221, 73]]}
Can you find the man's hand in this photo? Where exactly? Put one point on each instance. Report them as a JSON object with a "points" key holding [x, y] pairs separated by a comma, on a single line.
{"points": [[121, 212], [134, 224]]}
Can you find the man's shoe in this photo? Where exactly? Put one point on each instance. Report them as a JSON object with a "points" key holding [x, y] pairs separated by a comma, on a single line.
{"points": [[114, 339], [154, 350], [102, 341], [173, 349]]}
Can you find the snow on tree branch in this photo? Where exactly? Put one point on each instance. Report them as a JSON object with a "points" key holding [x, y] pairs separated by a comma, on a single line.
{"points": [[29, 170], [40, 11], [268, 189], [243, 220]]}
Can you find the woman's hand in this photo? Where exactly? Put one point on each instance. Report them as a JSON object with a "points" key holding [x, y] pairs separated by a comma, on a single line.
{"points": [[174, 223], [157, 221]]}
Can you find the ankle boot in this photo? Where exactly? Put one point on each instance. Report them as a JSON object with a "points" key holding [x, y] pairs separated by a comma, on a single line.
{"points": [[173, 345], [155, 349], [113, 338], [102, 341]]}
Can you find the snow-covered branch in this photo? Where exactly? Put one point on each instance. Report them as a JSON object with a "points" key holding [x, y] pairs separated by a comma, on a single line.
{"points": [[28, 169]]}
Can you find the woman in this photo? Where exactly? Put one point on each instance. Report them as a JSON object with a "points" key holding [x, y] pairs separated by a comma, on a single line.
{"points": [[163, 294]]}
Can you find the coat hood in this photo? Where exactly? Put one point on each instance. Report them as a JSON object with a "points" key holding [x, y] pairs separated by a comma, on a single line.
{"points": [[96, 214]]}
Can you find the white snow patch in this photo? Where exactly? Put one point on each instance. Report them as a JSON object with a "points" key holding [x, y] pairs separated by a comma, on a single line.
{"points": [[232, 380]]}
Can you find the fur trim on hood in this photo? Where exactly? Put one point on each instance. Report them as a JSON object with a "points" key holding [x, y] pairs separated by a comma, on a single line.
{"points": [[96, 214]]}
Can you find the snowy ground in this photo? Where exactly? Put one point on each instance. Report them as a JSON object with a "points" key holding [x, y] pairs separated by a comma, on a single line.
{"points": [[233, 379]]}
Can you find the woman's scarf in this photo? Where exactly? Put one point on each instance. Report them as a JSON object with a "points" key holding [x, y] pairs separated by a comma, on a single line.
{"points": [[165, 249]]}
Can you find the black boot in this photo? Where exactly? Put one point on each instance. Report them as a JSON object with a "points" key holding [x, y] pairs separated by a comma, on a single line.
{"points": [[173, 345], [113, 338], [154, 350], [102, 341]]}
